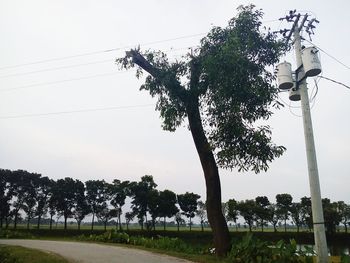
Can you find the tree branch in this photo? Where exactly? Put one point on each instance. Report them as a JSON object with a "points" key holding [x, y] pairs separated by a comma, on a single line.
{"points": [[168, 80]]}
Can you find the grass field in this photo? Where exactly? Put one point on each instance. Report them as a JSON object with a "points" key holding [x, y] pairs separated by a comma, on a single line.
{"points": [[16, 254]]}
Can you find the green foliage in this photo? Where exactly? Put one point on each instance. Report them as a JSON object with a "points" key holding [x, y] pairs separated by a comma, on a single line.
{"points": [[253, 250], [226, 79], [15, 234], [108, 237], [345, 259]]}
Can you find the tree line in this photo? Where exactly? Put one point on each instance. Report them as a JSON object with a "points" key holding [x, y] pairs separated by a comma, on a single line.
{"points": [[260, 212], [40, 197]]}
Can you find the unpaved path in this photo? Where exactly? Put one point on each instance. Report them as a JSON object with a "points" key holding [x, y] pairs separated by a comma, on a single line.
{"points": [[94, 253]]}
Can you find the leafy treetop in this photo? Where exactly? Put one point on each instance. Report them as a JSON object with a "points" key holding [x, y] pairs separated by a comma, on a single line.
{"points": [[226, 78]]}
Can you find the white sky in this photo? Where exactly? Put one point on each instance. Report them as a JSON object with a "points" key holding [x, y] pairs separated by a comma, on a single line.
{"points": [[128, 143]]}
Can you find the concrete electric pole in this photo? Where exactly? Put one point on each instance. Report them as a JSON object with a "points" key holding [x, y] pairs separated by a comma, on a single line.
{"points": [[301, 86]]}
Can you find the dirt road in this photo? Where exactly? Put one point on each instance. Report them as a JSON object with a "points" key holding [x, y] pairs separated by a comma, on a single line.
{"points": [[94, 253]]}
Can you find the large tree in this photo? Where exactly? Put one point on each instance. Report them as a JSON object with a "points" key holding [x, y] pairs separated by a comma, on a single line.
{"points": [[221, 88]]}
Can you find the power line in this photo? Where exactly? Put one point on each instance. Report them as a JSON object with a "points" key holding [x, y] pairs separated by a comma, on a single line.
{"points": [[346, 66], [57, 68], [98, 52], [346, 86], [75, 111], [64, 80]]}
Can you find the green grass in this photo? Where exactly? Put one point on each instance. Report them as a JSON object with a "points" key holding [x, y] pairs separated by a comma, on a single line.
{"points": [[17, 254]]}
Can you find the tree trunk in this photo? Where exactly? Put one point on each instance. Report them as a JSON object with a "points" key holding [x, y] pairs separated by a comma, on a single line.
{"points": [[92, 222], [262, 225], [211, 174], [39, 218], [15, 223], [119, 222], [178, 227], [28, 223], [51, 215], [164, 222], [65, 222], [285, 225], [79, 222]]}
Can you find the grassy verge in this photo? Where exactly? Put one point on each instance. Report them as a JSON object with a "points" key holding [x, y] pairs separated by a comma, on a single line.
{"points": [[17, 254]]}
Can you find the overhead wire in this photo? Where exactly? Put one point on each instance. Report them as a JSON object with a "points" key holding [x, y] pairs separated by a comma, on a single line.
{"points": [[62, 81], [56, 68], [75, 111], [329, 55], [99, 51], [337, 82]]}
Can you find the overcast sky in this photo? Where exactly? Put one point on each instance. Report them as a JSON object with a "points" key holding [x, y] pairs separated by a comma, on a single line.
{"points": [[127, 142]]}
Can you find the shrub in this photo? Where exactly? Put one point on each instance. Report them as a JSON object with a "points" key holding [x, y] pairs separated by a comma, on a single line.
{"points": [[253, 250], [14, 234]]}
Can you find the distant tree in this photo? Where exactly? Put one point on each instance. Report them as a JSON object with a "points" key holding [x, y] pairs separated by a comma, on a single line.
{"points": [[273, 216], [296, 214], [179, 220], [331, 216], [167, 205], [24, 192], [28, 205], [344, 213], [222, 88], [153, 209], [129, 216], [232, 211], [247, 210], [43, 190], [65, 197], [105, 214], [96, 197], [139, 192], [201, 213], [188, 203], [119, 192], [6, 193], [52, 204], [262, 203], [306, 211], [284, 203], [81, 207]]}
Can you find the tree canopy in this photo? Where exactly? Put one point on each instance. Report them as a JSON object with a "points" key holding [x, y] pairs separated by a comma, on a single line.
{"points": [[228, 77]]}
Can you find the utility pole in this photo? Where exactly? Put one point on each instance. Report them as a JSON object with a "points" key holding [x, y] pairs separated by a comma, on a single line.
{"points": [[300, 83]]}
